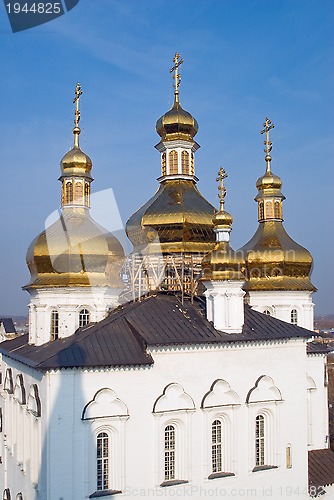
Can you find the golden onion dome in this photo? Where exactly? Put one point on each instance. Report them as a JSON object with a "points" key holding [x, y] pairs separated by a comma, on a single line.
{"points": [[274, 261], [75, 162], [177, 124], [269, 181], [222, 219], [176, 219], [75, 251], [223, 263]]}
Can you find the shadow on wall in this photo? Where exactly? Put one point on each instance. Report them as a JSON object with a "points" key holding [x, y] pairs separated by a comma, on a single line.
{"points": [[62, 446]]}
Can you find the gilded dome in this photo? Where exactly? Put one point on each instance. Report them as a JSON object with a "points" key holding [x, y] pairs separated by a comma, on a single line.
{"points": [[222, 219], [176, 219], [269, 181], [177, 124], [76, 162], [223, 263], [75, 251], [274, 261]]}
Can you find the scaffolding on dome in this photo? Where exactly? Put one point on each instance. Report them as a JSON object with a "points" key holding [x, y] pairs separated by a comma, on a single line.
{"points": [[143, 274]]}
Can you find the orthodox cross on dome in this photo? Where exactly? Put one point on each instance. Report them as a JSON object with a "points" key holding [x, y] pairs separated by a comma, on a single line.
{"points": [[268, 125], [222, 174], [77, 114], [175, 69]]}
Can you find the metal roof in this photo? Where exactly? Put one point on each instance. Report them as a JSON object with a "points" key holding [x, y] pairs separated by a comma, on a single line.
{"points": [[321, 467], [315, 347], [158, 320], [8, 325]]}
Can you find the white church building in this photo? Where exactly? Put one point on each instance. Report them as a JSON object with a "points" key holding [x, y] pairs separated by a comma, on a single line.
{"points": [[197, 376]]}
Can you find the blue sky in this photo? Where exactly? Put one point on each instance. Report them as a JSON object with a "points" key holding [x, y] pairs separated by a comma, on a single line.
{"points": [[244, 60]]}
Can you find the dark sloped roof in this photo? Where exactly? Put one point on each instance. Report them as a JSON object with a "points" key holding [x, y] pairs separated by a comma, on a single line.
{"points": [[321, 467], [8, 325], [315, 347], [159, 320]]}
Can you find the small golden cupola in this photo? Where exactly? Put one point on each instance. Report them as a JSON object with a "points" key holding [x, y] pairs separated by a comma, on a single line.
{"points": [[177, 220], [274, 261], [223, 263], [75, 251], [177, 123]]}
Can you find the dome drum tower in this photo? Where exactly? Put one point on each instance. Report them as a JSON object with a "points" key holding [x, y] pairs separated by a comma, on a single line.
{"points": [[173, 231], [277, 268]]}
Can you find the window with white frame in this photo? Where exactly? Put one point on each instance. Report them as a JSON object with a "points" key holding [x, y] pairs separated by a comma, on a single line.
{"points": [[263, 400], [104, 417], [102, 461], [260, 440], [294, 317], [216, 446], [54, 324], [84, 317], [169, 453]]}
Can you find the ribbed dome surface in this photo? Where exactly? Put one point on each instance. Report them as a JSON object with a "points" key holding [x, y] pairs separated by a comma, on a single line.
{"points": [[75, 251], [223, 263], [274, 261], [177, 124], [177, 218], [76, 162]]}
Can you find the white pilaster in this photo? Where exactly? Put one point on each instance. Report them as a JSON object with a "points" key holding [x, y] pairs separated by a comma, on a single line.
{"points": [[225, 305]]}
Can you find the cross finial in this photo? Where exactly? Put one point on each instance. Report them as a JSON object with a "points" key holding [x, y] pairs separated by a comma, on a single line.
{"points": [[222, 174], [77, 114], [268, 125], [176, 76]]}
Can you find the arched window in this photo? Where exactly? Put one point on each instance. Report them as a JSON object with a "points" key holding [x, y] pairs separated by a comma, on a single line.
{"points": [[169, 452], [267, 312], [69, 193], [102, 461], [277, 210], [54, 325], [87, 193], [192, 170], [261, 210], [163, 163], [78, 192], [173, 163], [185, 162], [216, 431], [260, 440], [269, 209], [6, 494], [84, 317], [294, 317], [8, 384]]}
